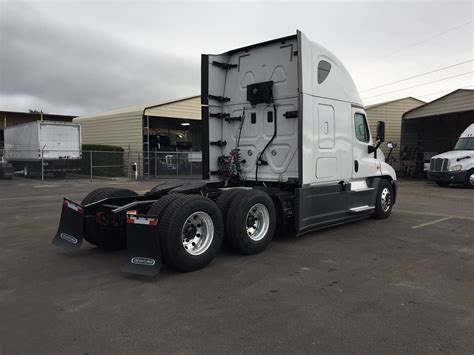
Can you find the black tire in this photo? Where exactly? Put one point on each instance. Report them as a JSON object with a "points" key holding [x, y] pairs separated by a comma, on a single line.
{"points": [[469, 182], [442, 183], [238, 219], [95, 195], [224, 201], [174, 219], [158, 207], [384, 192], [106, 239]]}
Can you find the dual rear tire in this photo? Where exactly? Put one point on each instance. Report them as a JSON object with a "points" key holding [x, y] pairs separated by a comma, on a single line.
{"points": [[250, 221], [94, 233], [191, 231], [191, 227]]}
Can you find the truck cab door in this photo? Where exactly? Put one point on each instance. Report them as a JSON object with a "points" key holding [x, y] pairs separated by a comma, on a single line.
{"points": [[364, 163]]}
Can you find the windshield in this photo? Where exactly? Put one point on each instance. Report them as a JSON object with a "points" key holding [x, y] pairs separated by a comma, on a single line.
{"points": [[465, 144]]}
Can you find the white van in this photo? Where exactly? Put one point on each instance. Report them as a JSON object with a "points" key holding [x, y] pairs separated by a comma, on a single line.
{"points": [[457, 165]]}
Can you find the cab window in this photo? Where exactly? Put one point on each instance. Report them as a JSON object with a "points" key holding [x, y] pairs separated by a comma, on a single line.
{"points": [[361, 128]]}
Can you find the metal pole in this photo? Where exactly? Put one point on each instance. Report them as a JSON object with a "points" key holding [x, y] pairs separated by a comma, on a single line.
{"points": [[177, 163], [90, 154], [191, 162], [148, 140], [42, 163], [155, 164], [129, 163]]}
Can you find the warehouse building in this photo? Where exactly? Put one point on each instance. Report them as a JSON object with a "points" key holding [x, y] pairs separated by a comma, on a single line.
{"points": [[434, 128], [391, 113], [146, 129]]}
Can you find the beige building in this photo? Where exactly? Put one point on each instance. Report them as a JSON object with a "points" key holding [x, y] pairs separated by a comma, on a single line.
{"points": [[131, 126], [145, 130], [391, 113]]}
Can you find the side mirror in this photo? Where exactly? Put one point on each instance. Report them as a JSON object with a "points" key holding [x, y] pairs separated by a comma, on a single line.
{"points": [[380, 131]]}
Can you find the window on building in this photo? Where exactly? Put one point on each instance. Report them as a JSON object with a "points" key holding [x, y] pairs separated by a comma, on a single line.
{"points": [[361, 128]]}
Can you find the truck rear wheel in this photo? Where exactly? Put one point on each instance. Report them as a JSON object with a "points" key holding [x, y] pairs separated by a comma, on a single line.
{"points": [[225, 199], [109, 239], [383, 200], [159, 207], [95, 195], [191, 231], [251, 221]]}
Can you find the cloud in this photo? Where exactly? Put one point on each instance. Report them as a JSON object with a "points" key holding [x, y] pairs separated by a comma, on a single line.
{"points": [[74, 69]]}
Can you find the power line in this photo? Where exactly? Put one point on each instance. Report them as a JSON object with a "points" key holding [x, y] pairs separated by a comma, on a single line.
{"points": [[414, 86], [440, 92], [417, 76], [428, 39]]}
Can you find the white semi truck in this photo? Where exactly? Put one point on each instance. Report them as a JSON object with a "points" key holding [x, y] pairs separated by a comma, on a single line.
{"points": [[56, 145], [457, 165], [286, 145]]}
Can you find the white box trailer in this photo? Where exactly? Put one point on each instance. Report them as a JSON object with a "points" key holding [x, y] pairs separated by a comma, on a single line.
{"points": [[56, 144], [286, 146]]}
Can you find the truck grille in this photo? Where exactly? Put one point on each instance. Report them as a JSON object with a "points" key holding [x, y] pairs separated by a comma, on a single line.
{"points": [[439, 164]]}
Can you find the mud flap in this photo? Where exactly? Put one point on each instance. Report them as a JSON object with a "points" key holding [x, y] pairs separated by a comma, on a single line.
{"points": [[143, 246], [69, 234]]}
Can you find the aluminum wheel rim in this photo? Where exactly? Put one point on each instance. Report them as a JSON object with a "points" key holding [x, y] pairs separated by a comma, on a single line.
{"points": [[471, 179], [197, 233], [257, 222], [385, 199]]}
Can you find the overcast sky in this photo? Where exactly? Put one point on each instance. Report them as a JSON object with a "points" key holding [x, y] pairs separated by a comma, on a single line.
{"points": [[81, 57]]}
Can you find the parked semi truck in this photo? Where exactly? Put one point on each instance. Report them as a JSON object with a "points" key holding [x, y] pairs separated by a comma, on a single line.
{"points": [[457, 165], [287, 146], [56, 145]]}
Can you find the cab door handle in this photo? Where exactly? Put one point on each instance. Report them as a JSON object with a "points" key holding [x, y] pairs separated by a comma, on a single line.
{"points": [[356, 165]]}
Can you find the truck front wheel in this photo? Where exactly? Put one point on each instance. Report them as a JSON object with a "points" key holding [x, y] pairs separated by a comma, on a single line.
{"points": [[251, 221], [470, 179], [191, 231], [383, 200]]}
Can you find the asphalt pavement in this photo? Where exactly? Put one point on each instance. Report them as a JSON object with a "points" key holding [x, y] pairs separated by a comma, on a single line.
{"points": [[401, 285]]}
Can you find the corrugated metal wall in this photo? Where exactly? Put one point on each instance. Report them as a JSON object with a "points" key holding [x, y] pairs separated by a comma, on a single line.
{"points": [[116, 128], [188, 109], [392, 112]]}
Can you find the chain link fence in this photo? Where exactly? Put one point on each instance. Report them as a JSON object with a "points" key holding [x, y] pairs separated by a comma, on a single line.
{"points": [[96, 164]]}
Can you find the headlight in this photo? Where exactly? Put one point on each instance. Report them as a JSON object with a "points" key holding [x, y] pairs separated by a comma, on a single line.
{"points": [[455, 167]]}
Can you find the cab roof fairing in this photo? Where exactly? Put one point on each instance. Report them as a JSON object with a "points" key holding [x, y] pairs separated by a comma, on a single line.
{"points": [[338, 85]]}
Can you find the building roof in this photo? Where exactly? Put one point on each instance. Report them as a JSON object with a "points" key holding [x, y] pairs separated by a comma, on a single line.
{"points": [[391, 101], [46, 116], [460, 100], [138, 109]]}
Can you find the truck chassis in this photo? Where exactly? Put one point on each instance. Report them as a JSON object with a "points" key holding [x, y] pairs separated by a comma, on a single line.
{"points": [[113, 218]]}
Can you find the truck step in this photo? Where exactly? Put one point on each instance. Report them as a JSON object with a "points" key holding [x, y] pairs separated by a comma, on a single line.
{"points": [[363, 189], [361, 209]]}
